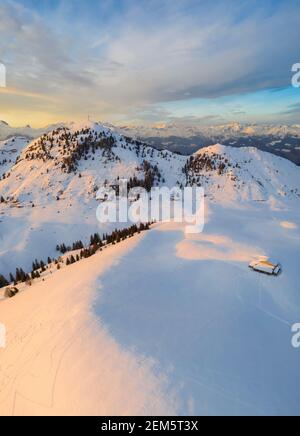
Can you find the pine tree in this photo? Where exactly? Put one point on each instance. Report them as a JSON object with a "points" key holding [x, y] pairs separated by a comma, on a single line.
{"points": [[3, 281]]}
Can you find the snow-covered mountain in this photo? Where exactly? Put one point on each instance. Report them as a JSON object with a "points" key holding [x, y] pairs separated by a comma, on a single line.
{"points": [[74, 161], [243, 174], [49, 185], [281, 140], [225, 131]]}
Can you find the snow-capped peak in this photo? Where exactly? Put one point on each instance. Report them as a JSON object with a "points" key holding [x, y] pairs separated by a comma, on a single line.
{"points": [[212, 149], [231, 174]]}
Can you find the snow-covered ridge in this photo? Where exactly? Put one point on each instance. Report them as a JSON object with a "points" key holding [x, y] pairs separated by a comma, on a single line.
{"points": [[230, 174]]}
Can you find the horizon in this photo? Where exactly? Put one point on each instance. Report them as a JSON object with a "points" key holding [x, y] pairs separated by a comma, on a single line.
{"points": [[154, 126], [149, 63]]}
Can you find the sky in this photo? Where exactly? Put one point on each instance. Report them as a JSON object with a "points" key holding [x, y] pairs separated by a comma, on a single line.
{"points": [[149, 61]]}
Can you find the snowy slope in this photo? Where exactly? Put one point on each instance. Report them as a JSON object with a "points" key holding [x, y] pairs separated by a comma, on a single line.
{"points": [[10, 149], [179, 325], [60, 361], [220, 332]]}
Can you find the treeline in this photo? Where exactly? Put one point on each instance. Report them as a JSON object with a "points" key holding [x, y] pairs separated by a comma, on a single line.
{"points": [[21, 276], [62, 248], [3, 281], [73, 147], [97, 243]]}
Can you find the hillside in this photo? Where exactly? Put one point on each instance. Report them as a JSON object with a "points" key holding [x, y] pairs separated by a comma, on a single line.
{"points": [[92, 153], [245, 174], [49, 185], [10, 150], [100, 337], [53, 341]]}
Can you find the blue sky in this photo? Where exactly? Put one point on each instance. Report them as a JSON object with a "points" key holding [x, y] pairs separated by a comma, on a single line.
{"points": [[149, 61]]}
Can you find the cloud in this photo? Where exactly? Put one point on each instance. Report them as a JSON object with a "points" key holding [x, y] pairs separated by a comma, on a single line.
{"points": [[112, 58], [293, 109]]}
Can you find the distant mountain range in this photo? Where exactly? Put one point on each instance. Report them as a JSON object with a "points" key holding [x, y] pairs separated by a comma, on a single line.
{"points": [[224, 130], [7, 131], [281, 140]]}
